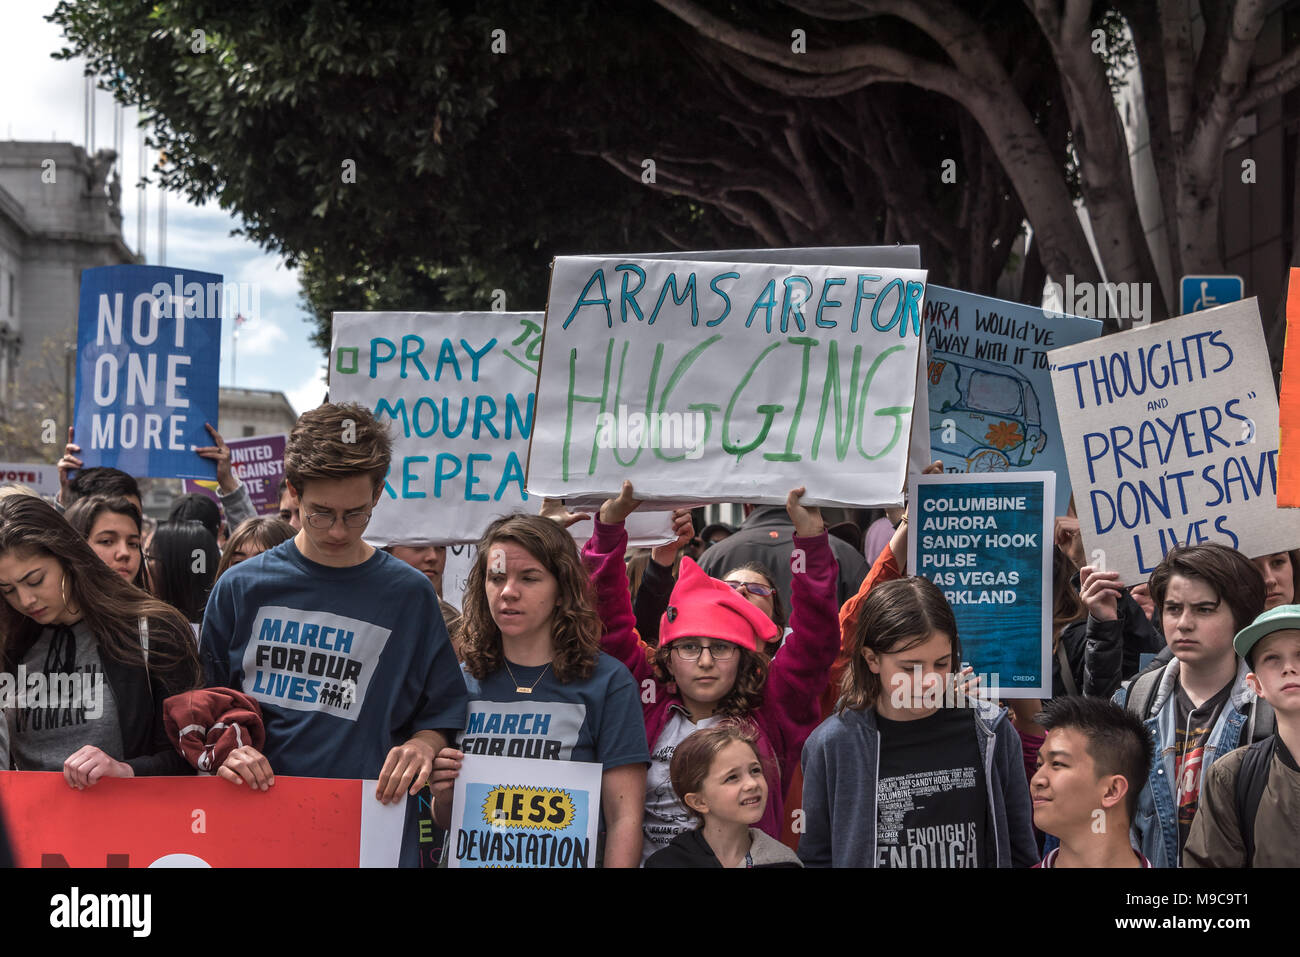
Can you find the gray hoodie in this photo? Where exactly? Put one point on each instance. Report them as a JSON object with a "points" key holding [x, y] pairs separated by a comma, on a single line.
{"points": [[841, 761]]}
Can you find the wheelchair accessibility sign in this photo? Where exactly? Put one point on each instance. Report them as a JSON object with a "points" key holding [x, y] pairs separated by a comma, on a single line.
{"points": [[1206, 292]]}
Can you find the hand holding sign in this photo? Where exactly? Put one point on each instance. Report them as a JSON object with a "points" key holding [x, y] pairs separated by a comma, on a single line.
{"points": [[68, 463], [553, 508], [684, 529], [247, 765], [1100, 592], [87, 765], [614, 511], [219, 453], [807, 520], [407, 767], [442, 782]]}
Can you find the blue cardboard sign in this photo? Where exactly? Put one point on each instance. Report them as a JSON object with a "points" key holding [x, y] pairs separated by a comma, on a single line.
{"points": [[990, 384], [986, 542], [148, 354]]}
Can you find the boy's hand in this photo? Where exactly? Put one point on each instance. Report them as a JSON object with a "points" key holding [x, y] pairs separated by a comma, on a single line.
{"points": [[249, 766], [1100, 592]]}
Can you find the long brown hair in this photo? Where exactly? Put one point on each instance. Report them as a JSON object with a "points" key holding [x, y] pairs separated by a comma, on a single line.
{"points": [[575, 626], [110, 606], [895, 616], [266, 531], [84, 513]]}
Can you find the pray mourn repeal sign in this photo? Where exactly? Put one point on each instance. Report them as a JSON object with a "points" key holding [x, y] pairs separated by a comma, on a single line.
{"points": [[148, 351], [521, 812], [198, 822], [457, 388], [1171, 435], [726, 382]]}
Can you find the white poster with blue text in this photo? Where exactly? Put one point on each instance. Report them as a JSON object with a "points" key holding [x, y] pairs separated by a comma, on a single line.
{"points": [[148, 354], [990, 388], [727, 382], [986, 542], [456, 389], [1172, 435]]}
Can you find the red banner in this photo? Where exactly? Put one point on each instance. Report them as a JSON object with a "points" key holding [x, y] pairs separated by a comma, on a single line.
{"points": [[197, 822]]}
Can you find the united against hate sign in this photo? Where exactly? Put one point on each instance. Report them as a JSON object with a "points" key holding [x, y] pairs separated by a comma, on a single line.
{"points": [[148, 353], [1172, 439]]}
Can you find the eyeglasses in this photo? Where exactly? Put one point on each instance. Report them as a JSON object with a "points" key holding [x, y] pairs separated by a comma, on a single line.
{"points": [[754, 588], [691, 650], [324, 520]]}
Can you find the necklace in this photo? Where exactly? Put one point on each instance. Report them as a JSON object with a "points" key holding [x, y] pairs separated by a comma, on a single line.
{"points": [[518, 687]]}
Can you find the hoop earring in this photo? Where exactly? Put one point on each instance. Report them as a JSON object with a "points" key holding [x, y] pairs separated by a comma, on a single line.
{"points": [[63, 593]]}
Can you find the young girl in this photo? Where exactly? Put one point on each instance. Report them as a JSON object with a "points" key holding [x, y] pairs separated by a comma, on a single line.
{"points": [[710, 663], [900, 777], [538, 683], [719, 777], [70, 618], [112, 526], [252, 537], [183, 559]]}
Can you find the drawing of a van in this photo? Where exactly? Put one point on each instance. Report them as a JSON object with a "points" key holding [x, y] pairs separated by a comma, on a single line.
{"points": [[987, 412]]}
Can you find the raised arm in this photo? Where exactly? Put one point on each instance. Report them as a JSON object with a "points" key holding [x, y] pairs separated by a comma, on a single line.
{"points": [[603, 558]]}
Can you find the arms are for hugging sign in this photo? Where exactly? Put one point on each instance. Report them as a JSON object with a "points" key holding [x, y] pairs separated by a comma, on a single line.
{"points": [[726, 382]]}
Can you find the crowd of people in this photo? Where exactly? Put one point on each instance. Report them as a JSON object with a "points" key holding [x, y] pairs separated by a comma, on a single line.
{"points": [[767, 696]]}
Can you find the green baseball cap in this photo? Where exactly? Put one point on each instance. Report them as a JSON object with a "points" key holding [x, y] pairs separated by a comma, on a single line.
{"points": [[1281, 618]]}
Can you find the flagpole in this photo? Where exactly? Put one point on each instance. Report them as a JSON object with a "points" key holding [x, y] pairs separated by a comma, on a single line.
{"points": [[234, 357]]}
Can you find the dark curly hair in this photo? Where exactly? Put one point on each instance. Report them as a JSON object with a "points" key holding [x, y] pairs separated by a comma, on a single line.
{"points": [[745, 696], [575, 626]]}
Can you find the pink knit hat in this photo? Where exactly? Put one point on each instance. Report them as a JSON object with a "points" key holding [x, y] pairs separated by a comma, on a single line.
{"points": [[703, 607]]}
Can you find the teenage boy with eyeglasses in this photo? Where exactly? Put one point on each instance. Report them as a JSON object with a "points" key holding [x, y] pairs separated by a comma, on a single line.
{"points": [[343, 646]]}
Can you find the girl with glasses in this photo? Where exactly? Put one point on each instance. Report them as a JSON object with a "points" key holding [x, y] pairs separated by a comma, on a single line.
{"points": [[712, 663]]}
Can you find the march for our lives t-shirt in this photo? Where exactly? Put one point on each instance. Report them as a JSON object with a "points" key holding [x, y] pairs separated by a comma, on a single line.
{"points": [[347, 663], [931, 797], [597, 719]]}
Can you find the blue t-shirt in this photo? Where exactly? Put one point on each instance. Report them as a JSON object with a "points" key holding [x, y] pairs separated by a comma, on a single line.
{"points": [[347, 663], [598, 720]]}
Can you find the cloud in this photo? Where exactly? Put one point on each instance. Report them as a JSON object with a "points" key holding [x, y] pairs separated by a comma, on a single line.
{"points": [[310, 393]]}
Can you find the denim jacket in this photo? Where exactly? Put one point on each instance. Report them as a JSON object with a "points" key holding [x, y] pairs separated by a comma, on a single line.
{"points": [[1155, 826]]}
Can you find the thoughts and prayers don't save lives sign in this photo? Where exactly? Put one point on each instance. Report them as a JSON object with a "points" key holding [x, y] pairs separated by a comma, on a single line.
{"points": [[726, 381], [148, 353], [1172, 438]]}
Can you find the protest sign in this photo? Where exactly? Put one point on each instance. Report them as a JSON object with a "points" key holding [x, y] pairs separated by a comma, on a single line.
{"points": [[198, 822], [900, 257], [520, 812], [1172, 432], [40, 478], [990, 389], [1288, 468], [986, 541], [458, 389], [699, 397], [148, 352], [258, 463]]}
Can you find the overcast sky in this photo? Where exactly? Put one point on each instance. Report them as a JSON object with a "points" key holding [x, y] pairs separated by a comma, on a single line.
{"points": [[44, 100]]}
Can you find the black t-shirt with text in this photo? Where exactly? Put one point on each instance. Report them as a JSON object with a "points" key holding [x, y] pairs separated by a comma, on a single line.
{"points": [[1191, 735], [931, 795]]}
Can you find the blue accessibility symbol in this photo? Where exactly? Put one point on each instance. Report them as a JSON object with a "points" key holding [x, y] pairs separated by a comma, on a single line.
{"points": [[1205, 292]]}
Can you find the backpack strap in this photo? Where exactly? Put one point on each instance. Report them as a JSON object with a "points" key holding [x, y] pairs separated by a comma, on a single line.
{"points": [[1262, 724], [1142, 693], [1067, 676], [1252, 777]]}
